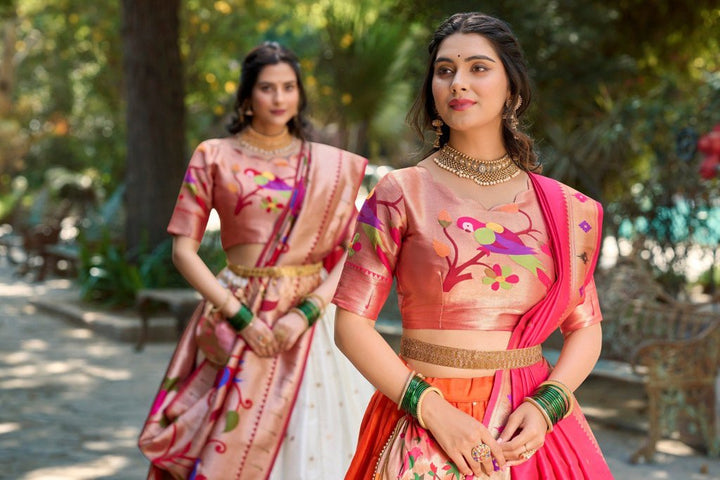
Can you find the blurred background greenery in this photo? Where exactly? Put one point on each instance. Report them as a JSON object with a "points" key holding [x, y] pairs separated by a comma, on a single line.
{"points": [[623, 90]]}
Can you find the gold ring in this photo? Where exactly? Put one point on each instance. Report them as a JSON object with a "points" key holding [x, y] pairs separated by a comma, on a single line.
{"points": [[480, 452], [261, 340], [528, 453]]}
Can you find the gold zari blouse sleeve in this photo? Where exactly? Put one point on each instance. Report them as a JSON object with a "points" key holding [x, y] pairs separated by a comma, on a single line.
{"points": [[372, 254]]}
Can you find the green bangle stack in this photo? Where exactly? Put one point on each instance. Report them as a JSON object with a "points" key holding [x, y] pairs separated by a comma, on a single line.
{"points": [[308, 309], [413, 393], [242, 318], [554, 401]]}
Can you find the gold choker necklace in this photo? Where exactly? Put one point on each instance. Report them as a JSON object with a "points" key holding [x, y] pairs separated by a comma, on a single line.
{"points": [[481, 172], [279, 145]]}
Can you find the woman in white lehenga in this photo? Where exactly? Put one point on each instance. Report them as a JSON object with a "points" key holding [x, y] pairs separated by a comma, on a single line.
{"points": [[256, 388]]}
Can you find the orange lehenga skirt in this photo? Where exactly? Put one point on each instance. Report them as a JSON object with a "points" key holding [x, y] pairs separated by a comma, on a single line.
{"points": [[470, 395]]}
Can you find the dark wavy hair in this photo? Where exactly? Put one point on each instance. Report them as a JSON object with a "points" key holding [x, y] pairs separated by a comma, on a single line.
{"points": [[518, 144], [268, 53]]}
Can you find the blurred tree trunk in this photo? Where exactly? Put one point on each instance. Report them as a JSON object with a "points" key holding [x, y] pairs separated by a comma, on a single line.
{"points": [[155, 118], [7, 63]]}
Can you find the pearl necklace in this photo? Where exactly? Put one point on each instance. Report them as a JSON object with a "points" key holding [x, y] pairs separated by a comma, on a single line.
{"points": [[269, 146], [482, 172]]}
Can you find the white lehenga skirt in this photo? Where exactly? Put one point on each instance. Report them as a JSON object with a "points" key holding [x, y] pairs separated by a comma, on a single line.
{"points": [[323, 430]]}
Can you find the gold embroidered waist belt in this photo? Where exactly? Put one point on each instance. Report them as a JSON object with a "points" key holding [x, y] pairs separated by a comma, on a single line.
{"points": [[276, 272], [472, 359]]}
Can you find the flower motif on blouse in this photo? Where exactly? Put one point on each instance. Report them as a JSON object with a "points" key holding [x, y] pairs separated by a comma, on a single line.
{"points": [[355, 245], [271, 205], [500, 277]]}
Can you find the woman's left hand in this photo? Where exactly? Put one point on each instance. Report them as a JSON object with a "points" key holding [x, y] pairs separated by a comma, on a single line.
{"points": [[524, 434], [288, 329]]}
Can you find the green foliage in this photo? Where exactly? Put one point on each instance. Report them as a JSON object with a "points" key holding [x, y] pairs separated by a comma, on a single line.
{"points": [[66, 102], [615, 84], [109, 276], [10, 195], [105, 275], [710, 280]]}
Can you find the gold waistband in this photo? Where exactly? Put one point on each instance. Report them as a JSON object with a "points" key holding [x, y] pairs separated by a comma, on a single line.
{"points": [[276, 272], [463, 358]]}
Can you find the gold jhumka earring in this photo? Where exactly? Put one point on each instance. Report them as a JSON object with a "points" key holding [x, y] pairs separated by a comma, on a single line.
{"points": [[511, 114], [437, 126]]}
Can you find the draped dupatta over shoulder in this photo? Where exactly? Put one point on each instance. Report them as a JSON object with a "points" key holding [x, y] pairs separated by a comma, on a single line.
{"points": [[570, 451], [217, 421]]}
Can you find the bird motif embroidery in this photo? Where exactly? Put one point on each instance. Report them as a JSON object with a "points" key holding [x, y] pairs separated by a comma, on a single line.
{"points": [[495, 238], [374, 228], [267, 180], [264, 181]]}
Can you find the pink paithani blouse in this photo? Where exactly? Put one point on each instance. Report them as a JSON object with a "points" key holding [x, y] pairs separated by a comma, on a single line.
{"points": [[248, 192], [459, 265]]}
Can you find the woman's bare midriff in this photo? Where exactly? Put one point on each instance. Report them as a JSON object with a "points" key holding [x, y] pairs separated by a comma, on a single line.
{"points": [[466, 339], [245, 254]]}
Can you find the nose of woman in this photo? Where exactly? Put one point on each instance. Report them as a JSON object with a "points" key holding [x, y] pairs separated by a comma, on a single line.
{"points": [[458, 84]]}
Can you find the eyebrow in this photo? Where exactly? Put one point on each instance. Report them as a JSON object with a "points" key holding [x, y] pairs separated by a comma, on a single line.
{"points": [[468, 59], [268, 82]]}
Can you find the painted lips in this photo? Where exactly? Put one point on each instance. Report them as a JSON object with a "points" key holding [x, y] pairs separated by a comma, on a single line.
{"points": [[461, 104]]}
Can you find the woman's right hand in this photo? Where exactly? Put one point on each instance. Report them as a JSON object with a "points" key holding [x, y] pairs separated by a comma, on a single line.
{"points": [[457, 433], [260, 338]]}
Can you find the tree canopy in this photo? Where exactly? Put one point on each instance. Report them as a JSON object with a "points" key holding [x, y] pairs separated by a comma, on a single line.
{"points": [[621, 86]]}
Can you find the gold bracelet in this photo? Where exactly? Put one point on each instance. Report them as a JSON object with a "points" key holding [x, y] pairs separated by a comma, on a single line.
{"points": [[407, 384], [569, 397], [419, 405], [545, 415], [215, 309]]}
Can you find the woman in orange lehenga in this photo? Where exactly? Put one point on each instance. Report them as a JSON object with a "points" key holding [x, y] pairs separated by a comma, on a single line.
{"points": [[258, 348], [490, 258]]}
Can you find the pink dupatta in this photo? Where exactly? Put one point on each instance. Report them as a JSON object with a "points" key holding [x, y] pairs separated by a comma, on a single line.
{"points": [[570, 451]]}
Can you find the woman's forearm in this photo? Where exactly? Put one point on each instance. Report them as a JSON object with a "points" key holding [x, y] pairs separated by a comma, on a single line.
{"points": [[357, 338], [199, 276]]}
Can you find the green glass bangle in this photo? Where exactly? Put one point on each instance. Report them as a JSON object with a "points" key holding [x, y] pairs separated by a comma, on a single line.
{"points": [[553, 401], [559, 399], [310, 311], [242, 318], [551, 405], [417, 395], [412, 386], [412, 396]]}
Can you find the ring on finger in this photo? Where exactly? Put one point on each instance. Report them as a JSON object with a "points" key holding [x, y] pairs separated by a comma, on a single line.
{"points": [[528, 453], [480, 452]]}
